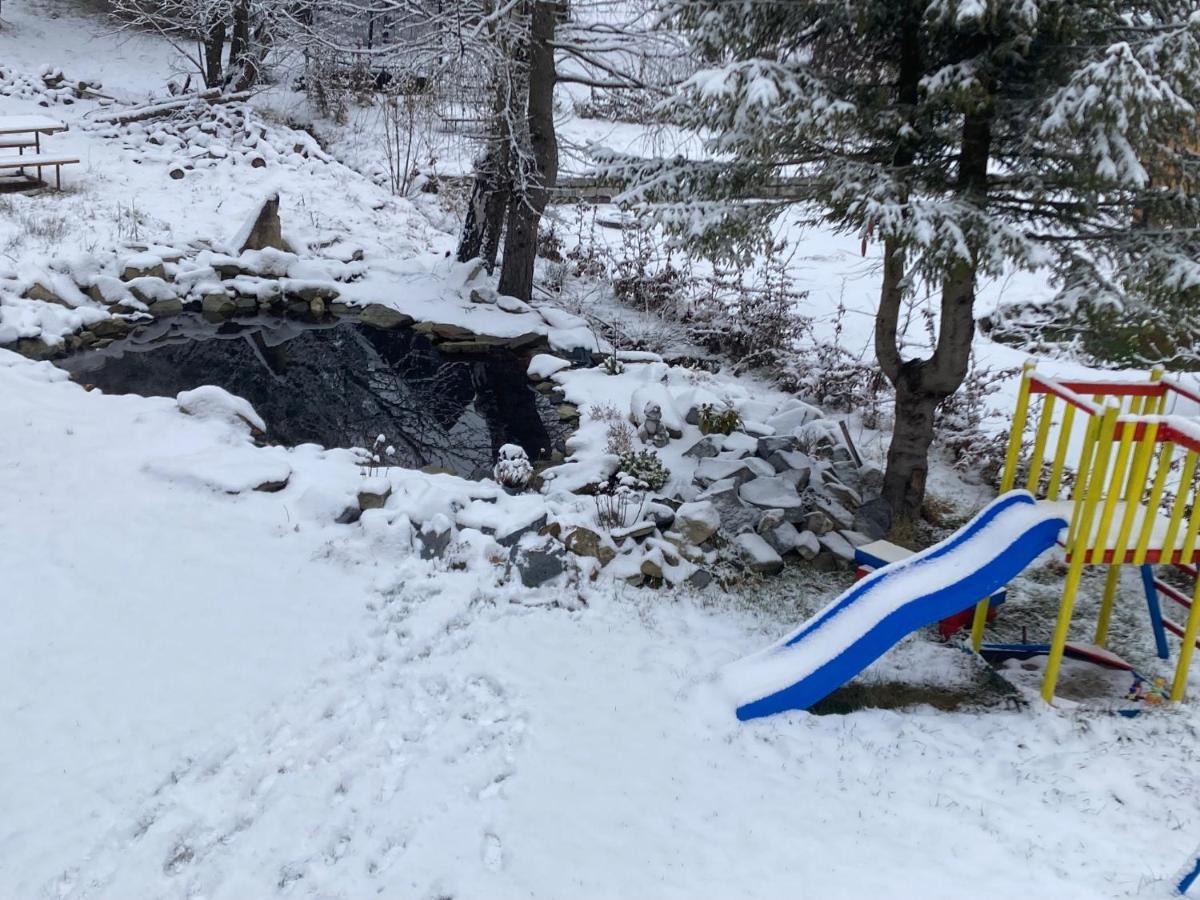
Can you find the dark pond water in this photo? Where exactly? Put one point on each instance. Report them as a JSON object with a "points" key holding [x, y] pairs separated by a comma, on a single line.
{"points": [[341, 384]]}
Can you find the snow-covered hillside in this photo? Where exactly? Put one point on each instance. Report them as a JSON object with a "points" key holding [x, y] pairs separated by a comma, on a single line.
{"points": [[211, 688]]}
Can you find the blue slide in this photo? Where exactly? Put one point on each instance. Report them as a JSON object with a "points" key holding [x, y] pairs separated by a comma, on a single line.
{"points": [[892, 602]]}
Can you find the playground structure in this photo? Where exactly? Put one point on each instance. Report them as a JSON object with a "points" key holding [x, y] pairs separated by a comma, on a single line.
{"points": [[1111, 476], [1133, 500]]}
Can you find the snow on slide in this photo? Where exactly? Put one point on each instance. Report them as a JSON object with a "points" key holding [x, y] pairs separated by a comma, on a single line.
{"points": [[892, 602]]}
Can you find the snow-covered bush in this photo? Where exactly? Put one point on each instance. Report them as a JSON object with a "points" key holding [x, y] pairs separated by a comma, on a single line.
{"points": [[513, 469], [644, 467], [718, 420]]}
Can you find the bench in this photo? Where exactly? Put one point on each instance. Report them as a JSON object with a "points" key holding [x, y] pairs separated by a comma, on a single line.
{"points": [[20, 143], [39, 162]]}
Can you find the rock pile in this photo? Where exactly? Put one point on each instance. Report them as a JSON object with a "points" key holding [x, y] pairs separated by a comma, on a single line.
{"points": [[205, 132], [49, 87]]}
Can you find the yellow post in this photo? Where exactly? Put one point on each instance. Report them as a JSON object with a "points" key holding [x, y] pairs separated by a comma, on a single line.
{"points": [[1038, 457], [1189, 647], [1106, 605], [1116, 486], [1018, 427], [1135, 489], [1078, 551], [1156, 493], [1156, 405], [1189, 542], [979, 622], [1177, 509], [1060, 453]]}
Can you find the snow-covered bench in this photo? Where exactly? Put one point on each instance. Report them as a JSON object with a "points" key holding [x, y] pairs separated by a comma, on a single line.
{"points": [[39, 161], [18, 142]]}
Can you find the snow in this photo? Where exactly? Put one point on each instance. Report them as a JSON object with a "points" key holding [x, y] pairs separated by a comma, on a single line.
{"points": [[215, 691], [543, 365], [212, 402]]}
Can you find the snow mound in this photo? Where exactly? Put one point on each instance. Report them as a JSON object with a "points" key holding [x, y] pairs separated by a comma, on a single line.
{"points": [[233, 470], [212, 402]]}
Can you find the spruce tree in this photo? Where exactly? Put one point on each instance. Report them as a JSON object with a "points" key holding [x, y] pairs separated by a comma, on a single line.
{"points": [[962, 135]]}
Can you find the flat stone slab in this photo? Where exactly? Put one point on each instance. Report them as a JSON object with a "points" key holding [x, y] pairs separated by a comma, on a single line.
{"points": [[770, 493]]}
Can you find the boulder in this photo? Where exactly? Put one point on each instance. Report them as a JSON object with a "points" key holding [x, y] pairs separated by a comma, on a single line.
{"points": [[792, 460], [698, 579], [837, 545], [845, 496], [263, 229], [765, 447], [873, 518], [710, 471], [143, 265], [772, 493], [735, 515], [211, 402], [816, 522], [172, 307], [218, 305], [697, 521], [660, 514], [374, 495], [789, 420], [538, 562], [39, 291], [637, 531], [836, 513], [784, 538], [855, 538], [379, 316], [739, 442], [870, 480], [770, 520], [434, 536], [705, 448], [757, 554], [585, 542], [511, 534], [808, 545]]}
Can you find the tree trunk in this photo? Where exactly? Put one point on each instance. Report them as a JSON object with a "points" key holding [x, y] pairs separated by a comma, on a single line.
{"points": [[484, 223], [492, 190], [912, 434], [214, 49], [922, 384], [246, 49], [539, 167]]}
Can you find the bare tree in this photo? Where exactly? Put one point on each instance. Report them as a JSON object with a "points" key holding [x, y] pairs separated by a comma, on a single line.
{"points": [[200, 30]]}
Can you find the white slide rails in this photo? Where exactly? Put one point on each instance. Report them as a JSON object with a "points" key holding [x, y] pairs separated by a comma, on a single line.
{"points": [[863, 623]]}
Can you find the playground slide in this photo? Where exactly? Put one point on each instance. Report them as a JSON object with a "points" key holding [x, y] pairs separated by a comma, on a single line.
{"points": [[890, 603]]}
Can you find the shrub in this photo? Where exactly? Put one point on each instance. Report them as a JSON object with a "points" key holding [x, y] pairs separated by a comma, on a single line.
{"points": [[645, 468], [714, 420]]}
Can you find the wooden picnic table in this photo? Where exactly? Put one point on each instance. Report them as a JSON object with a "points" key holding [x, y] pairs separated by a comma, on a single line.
{"points": [[13, 126], [19, 132]]}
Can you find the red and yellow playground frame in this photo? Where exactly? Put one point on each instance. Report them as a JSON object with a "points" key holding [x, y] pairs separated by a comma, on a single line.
{"points": [[1134, 500]]}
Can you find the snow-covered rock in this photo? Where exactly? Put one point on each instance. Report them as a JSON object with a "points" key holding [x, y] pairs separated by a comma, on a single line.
{"points": [[697, 521], [758, 555], [212, 402]]}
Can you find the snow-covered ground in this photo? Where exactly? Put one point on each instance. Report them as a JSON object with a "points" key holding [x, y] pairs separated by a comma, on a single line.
{"points": [[212, 691]]}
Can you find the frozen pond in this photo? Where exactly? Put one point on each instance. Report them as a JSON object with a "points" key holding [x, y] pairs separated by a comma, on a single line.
{"points": [[340, 384]]}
